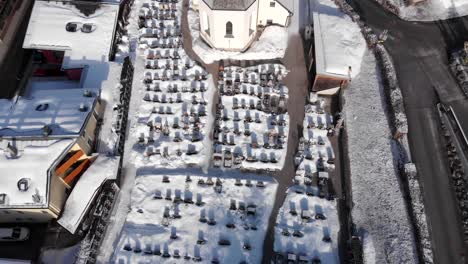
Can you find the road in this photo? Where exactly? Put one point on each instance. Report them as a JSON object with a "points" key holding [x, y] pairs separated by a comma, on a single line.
{"points": [[419, 51]]}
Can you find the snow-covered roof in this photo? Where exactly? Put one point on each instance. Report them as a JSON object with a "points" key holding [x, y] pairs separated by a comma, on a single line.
{"points": [[33, 161], [102, 169], [338, 41], [60, 112], [46, 30], [229, 4]]}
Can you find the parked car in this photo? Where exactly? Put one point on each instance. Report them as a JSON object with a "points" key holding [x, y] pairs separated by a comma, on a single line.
{"points": [[13, 234]]}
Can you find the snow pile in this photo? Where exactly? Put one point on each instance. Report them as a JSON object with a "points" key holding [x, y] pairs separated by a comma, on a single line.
{"points": [[307, 224], [272, 44], [429, 10], [187, 214], [379, 210], [417, 205], [252, 123], [338, 42]]}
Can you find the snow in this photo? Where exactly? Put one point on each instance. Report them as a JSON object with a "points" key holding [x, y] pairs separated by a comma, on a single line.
{"points": [[432, 10], [33, 161], [338, 41], [154, 95], [379, 210], [146, 228], [265, 127], [316, 143], [309, 195], [109, 98], [46, 30], [272, 44], [311, 244], [20, 117], [102, 169]]}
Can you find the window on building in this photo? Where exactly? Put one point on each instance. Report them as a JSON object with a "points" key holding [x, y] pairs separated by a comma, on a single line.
{"points": [[229, 29], [272, 4]]}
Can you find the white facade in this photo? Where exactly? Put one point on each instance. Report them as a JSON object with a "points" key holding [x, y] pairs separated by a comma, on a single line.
{"points": [[273, 12], [236, 29]]}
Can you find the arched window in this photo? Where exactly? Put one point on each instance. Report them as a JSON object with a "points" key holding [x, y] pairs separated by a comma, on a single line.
{"points": [[229, 29]]}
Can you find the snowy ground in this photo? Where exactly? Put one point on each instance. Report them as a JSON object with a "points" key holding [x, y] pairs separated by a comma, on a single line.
{"points": [[299, 228], [432, 10], [311, 245], [314, 147], [272, 44], [172, 124], [252, 119], [379, 210], [147, 231]]}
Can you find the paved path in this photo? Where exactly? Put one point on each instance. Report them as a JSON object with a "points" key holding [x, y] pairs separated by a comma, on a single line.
{"points": [[419, 51], [297, 83]]}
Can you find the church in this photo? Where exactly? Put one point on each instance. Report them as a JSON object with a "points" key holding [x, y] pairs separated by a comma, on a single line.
{"points": [[234, 24]]}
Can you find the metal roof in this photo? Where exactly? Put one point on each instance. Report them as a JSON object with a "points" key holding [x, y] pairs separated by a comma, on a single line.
{"points": [[229, 4]]}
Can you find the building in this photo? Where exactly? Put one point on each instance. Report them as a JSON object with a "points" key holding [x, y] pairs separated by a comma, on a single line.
{"points": [[49, 134], [13, 21], [234, 24], [337, 47], [46, 143]]}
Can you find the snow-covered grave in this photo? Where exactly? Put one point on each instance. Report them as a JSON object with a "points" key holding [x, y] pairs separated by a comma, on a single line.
{"points": [[177, 216], [271, 44], [251, 127], [174, 117], [315, 152], [307, 224]]}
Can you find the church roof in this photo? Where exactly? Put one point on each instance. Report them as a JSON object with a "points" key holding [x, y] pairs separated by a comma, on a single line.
{"points": [[229, 4], [288, 4]]}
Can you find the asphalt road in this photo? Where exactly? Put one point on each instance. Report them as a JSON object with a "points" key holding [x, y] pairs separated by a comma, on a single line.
{"points": [[419, 52]]}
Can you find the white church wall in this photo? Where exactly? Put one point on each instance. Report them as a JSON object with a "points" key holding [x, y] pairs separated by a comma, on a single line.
{"points": [[277, 14], [244, 27]]}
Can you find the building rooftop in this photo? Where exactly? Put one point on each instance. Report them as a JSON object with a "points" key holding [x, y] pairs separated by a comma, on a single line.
{"points": [[47, 30], [32, 162], [86, 189], [338, 41], [64, 111], [229, 4]]}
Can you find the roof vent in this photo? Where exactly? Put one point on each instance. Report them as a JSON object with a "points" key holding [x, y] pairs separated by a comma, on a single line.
{"points": [[3, 198], [87, 93], [72, 27], [23, 184], [88, 28], [46, 131], [12, 151], [83, 107]]}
